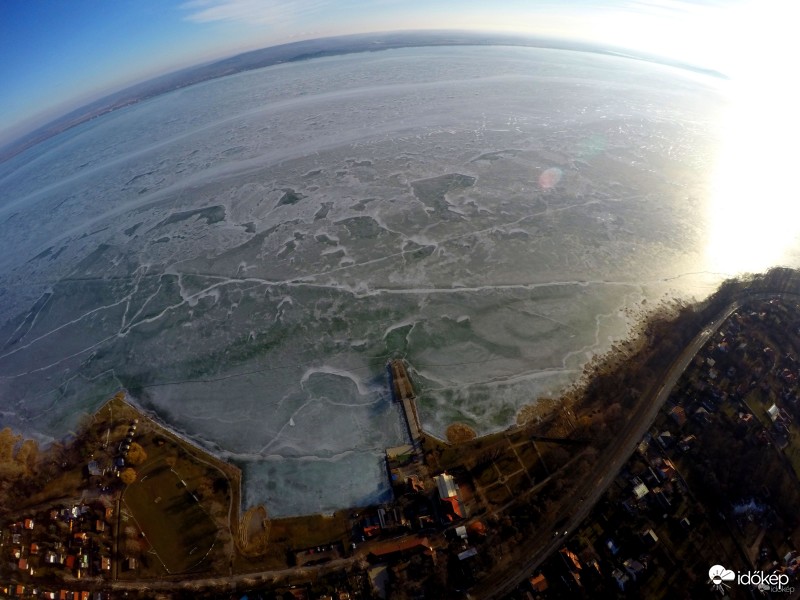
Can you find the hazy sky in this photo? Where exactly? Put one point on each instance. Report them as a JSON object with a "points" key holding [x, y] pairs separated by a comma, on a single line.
{"points": [[58, 54]]}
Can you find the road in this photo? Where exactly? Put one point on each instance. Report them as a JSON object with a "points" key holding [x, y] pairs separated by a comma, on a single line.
{"points": [[613, 458], [575, 508]]}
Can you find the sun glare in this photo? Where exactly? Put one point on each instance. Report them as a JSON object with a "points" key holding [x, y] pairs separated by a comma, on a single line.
{"points": [[754, 208]]}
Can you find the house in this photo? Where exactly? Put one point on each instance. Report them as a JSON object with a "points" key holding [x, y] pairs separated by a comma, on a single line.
{"points": [[451, 505], [105, 563], [401, 546], [468, 553], [22, 565], [131, 564], [34, 548], [452, 508], [99, 526], [640, 490], [446, 486], [702, 415], [667, 470], [28, 524], [773, 413], [649, 537], [621, 578], [678, 414], [634, 568], [70, 562], [571, 559], [612, 547], [80, 537], [538, 583], [665, 439]]}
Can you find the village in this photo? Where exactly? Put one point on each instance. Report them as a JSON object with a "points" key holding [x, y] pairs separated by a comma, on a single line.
{"points": [[690, 497], [131, 509]]}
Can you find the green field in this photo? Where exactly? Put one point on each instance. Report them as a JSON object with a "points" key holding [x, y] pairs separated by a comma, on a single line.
{"points": [[174, 523]]}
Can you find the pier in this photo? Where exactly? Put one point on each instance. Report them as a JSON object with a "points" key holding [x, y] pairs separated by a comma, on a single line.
{"points": [[403, 393]]}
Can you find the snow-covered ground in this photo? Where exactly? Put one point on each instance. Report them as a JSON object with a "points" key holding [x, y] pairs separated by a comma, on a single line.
{"points": [[245, 254]]}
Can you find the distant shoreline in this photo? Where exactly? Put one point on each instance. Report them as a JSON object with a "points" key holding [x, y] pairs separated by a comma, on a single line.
{"points": [[307, 50]]}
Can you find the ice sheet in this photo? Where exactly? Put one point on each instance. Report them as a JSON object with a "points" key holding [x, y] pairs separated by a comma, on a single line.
{"points": [[244, 255]]}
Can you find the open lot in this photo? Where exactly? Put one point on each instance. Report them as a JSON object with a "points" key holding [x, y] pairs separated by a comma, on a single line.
{"points": [[180, 532]]}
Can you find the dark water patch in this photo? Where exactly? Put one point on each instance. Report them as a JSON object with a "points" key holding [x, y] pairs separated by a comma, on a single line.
{"points": [[323, 211], [228, 261], [96, 231], [423, 252], [358, 163], [325, 239], [287, 249], [136, 178], [432, 192], [232, 151], [27, 322], [417, 251], [289, 197], [210, 214], [363, 227], [249, 227], [94, 258], [132, 229], [362, 204], [336, 254], [493, 156], [396, 339], [161, 240], [41, 254]]}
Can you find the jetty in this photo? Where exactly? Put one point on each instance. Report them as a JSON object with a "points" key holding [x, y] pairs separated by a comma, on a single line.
{"points": [[403, 393]]}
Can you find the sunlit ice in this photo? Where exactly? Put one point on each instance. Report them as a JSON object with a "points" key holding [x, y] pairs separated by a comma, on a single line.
{"points": [[754, 205]]}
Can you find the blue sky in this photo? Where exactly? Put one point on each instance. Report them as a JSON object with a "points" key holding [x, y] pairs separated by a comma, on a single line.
{"points": [[58, 54]]}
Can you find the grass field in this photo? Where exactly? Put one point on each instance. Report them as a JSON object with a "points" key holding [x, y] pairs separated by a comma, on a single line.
{"points": [[174, 523]]}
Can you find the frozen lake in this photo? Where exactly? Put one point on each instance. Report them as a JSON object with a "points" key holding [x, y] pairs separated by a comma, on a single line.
{"points": [[244, 255]]}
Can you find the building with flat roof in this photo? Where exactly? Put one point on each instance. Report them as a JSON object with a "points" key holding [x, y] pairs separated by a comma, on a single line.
{"points": [[446, 486]]}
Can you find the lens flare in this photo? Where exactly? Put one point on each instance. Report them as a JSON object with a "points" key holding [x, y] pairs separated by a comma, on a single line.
{"points": [[550, 178]]}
